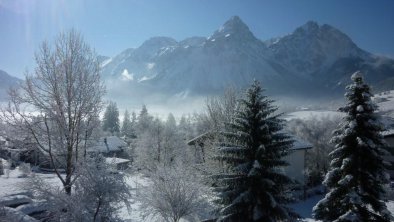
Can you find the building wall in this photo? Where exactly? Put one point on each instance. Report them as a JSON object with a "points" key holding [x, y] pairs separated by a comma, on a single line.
{"points": [[295, 169]]}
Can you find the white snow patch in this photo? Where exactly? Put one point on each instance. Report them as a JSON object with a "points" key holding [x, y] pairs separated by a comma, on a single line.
{"points": [[33, 207], [14, 200], [126, 76], [276, 41], [150, 65], [106, 62], [165, 50], [115, 160], [145, 78], [182, 94], [360, 108], [308, 114], [11, 214]]}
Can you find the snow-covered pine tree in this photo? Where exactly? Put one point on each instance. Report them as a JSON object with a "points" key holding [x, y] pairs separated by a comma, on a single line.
{"points": [[357, 171], [254, 187], [126, 124], [111, 118]]}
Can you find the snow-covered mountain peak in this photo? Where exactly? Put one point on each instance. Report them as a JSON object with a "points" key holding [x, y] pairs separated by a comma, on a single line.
{"points": [[234, 23], [312, 47], [234, 27], [309, 27], [324, 34]]}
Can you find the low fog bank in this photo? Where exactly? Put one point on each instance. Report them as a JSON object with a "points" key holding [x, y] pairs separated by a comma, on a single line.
{"points": [[161, 105]]}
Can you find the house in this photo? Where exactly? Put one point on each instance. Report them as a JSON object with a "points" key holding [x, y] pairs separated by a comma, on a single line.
{"points": [[199, 144], [111, 146], [18, 150], [296, 157], [388, 136], [296, 160]]}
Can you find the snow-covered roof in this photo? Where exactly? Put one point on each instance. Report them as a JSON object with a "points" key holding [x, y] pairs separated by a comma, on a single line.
{"points": [[115, 160], [300, 144], [108, 144], [201, 137]]}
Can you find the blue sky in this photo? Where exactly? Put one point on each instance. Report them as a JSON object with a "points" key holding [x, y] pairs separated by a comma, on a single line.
{"points": [[114, 25]]}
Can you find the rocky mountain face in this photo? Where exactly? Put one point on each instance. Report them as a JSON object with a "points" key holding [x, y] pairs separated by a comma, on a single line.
{"points": [[314, 58], [6, 81]]}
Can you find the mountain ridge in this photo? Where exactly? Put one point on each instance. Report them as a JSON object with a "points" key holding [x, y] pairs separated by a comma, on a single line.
{"points": [[313, 58], [7, 81]]}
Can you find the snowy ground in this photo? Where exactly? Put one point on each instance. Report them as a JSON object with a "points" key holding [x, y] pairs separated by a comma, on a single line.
{"points": [[307, 114], [304, 208], [137, 182], [385, 101], [14, 184]]}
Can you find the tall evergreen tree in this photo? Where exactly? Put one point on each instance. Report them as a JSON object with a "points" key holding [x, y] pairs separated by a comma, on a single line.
{"points": [[128, 126], [254, 189], [357, 171], [133, 124], [111, 118], [144, 120]]}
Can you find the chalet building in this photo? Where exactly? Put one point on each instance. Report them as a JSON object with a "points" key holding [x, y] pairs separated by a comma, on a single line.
{"points": [[296, 158], [199, 146]]}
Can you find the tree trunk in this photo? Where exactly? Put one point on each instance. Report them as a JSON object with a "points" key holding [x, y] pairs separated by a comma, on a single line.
{"points": [[69, 168], [97, 210]]}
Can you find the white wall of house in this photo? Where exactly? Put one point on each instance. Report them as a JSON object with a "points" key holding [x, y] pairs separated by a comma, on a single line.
{"points": [[295, 169]]}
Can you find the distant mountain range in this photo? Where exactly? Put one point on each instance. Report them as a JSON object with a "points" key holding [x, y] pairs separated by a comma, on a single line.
{"points": [[6, 81], [315, 58], [314, 61]]}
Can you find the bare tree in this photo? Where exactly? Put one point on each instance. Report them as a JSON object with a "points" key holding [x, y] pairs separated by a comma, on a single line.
{"points": [[218, 113], [176, 192], [220, 109], [58, 104]]}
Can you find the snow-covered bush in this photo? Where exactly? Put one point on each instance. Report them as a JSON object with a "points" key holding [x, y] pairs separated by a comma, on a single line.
{"points": [[176, 192], [98, 194], [25, 169], [6, 167]]}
